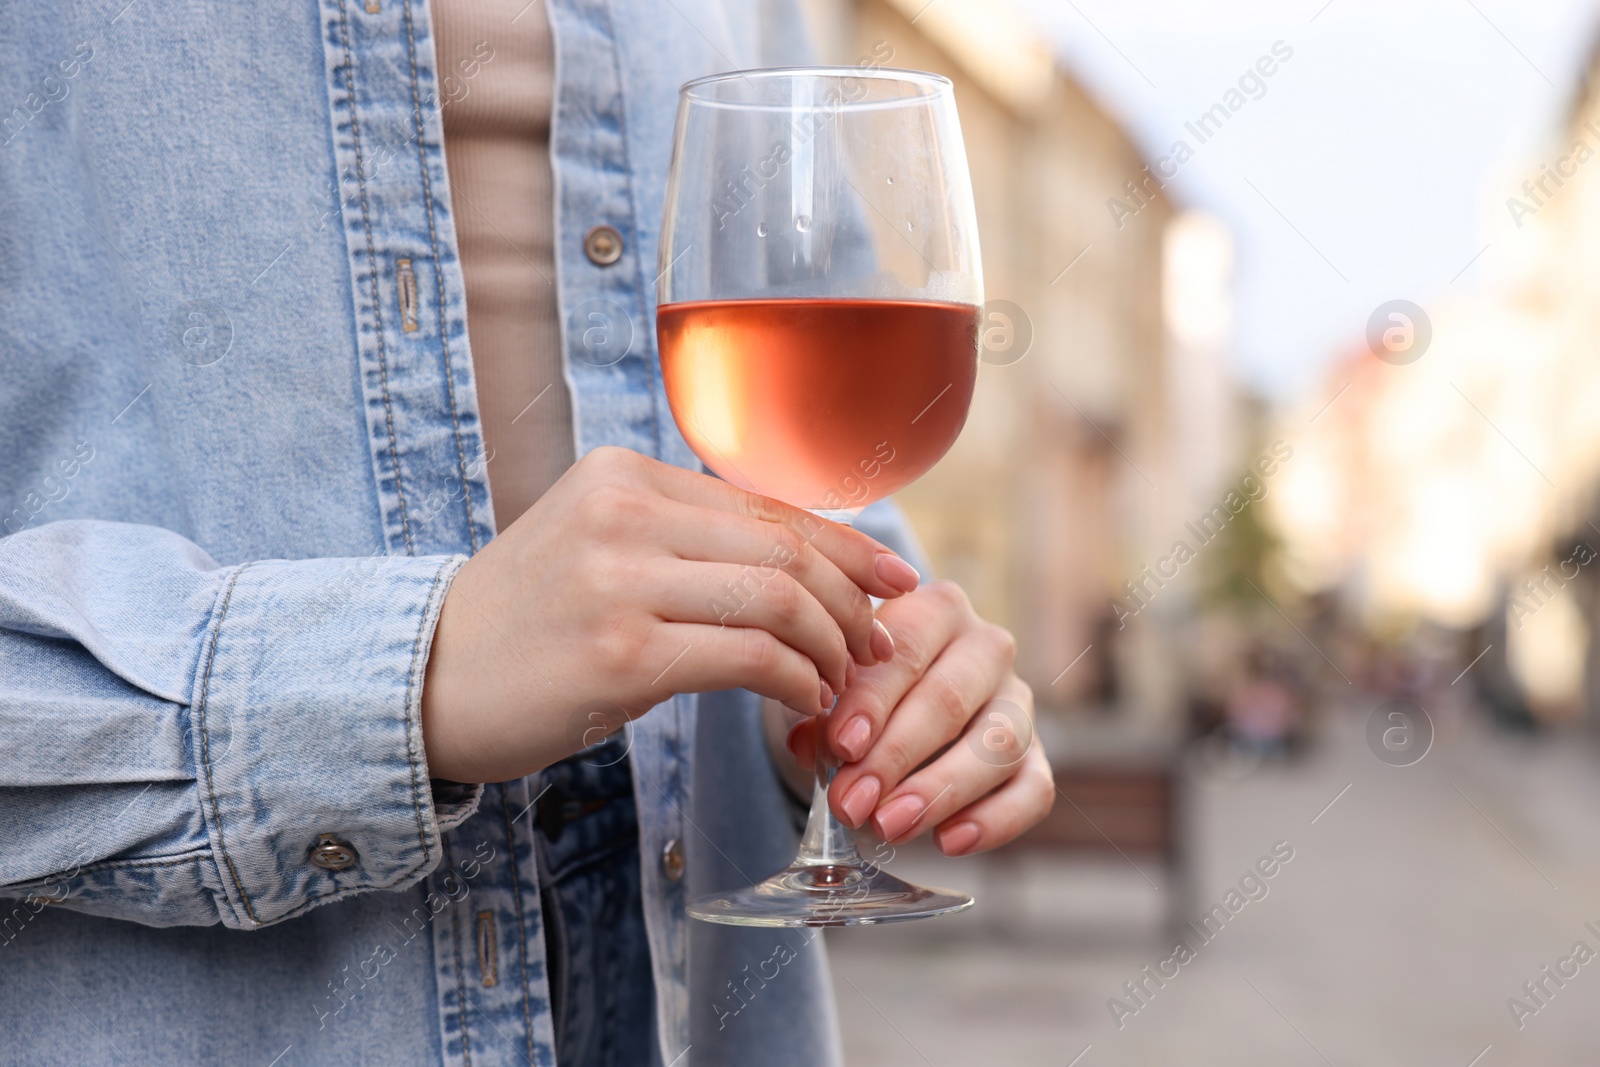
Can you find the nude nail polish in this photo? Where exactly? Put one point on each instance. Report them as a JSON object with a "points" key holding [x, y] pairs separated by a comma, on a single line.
{"points": [[854, 737], [881, 643], [899, 815], [857, 803], [897, 572], [959, 838]]}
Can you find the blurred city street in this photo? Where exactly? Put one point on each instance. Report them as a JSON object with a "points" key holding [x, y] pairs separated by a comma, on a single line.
{"points": [[1283, 466], [1413, 908]]}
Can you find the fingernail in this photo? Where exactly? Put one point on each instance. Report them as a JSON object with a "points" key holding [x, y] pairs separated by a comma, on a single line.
{"points": [[857, 803], [959, 838], [897, 572], [881, 643], [793, 740], [827, 694], [853, 738], [849, 673], [897, 816]]}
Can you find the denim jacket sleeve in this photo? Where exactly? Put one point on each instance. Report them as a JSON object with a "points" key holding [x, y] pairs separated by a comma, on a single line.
{"points": [[177, 735]]}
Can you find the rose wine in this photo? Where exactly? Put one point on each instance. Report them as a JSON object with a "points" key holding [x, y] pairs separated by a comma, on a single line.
{"points": [[819, 403]]}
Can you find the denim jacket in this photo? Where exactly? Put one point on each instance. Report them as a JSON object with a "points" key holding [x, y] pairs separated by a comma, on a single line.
{"points": [[240, 462]]}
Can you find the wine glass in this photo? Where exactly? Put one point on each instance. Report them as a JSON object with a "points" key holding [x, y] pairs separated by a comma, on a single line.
{"points": [[818, 310]]}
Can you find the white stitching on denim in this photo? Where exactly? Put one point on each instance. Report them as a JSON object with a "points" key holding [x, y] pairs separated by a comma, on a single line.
{"points": [[372, 267], [438, 277], [461, 973], [633, 201], [205, 743], [522, 932], [418, 666]]}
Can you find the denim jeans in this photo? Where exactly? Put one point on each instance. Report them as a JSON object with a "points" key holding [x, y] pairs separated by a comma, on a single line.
{"points": [[602, 995]]}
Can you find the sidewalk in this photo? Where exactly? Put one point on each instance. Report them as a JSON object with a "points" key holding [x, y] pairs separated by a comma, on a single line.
{"points": [[1413, 908]]}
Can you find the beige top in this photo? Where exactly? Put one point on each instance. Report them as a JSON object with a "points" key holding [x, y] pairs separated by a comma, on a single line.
{"points": [[496, 87]]}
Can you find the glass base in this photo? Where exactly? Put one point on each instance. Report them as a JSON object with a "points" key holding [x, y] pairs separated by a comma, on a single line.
{"points": [[828, 895], [828, 884]]}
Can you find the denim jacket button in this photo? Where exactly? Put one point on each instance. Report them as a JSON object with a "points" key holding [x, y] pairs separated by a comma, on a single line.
{"points": [[603, 245], [332, 854], [672, 860]]}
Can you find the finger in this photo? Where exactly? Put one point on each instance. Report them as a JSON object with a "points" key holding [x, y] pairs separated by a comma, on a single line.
{"points": [[921, 624], [1004, 813], [965, 773], [802, 742], [766, 552], [939, 708], [867, 563], [725, 594], [697, 658]]}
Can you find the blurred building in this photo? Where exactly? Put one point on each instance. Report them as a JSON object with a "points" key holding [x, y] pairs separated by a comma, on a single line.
{"points": [[1460, 487], [1081, 458]]}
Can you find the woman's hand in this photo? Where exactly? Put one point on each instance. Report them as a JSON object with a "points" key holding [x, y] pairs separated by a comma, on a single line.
{"points": [[630, 581], [941, 735]]}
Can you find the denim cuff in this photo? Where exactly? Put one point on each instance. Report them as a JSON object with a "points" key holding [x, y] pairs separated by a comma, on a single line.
{"points": [[306, 719]]}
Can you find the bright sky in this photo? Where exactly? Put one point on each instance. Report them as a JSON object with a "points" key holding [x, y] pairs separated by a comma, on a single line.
{"points": [[1367, 171]]}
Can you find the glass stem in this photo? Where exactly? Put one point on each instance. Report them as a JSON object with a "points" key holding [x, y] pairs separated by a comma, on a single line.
{"points": [[826, 842]]}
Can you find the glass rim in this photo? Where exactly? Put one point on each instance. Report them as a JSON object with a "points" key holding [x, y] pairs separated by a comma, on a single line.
{"points": [[931, 85]]}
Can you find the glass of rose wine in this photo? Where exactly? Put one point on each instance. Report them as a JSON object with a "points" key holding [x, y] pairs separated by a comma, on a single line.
{"points": [[818, 310]]}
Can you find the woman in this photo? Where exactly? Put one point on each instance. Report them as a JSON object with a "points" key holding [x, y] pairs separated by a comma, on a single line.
{"points": [[264, 626]]}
